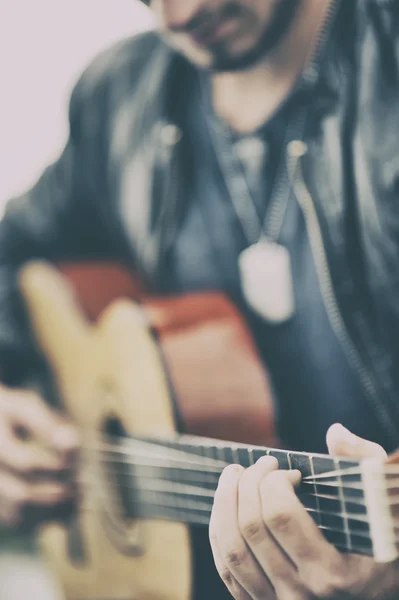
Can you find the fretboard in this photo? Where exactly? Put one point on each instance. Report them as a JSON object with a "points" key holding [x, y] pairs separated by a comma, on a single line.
{"points": [[176, 480]]}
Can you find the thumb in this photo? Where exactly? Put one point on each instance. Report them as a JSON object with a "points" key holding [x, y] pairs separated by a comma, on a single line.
{"points": [[341, 442]]}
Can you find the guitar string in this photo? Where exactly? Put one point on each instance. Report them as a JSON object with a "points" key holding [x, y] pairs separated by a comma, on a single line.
{"points": [[154, 472], [163, 451], [157, 449], [192, 516], [199, 462], [194, 477], [194, 485], [172, 465], [352, 516], [197, 512], [389, 484], [194, 466], [183, 460], [209, 495], [197, 479], [191, 506], [178, 457], [191, 488]]}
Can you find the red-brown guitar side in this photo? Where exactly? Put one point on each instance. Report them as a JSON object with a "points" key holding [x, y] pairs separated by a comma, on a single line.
{"points": [[221, 386]]}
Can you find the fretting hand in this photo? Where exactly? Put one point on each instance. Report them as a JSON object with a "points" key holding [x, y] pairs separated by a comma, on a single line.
{"points": [[266, 546]]}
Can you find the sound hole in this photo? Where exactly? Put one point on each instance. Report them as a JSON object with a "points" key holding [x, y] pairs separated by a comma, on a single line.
{"points": [[119, 472]]}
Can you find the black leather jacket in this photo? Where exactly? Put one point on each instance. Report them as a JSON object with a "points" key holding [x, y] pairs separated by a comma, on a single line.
{"points": [[125, 145]]}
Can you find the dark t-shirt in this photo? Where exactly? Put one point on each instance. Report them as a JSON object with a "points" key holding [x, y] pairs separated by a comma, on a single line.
{"points": [[315, 386]]}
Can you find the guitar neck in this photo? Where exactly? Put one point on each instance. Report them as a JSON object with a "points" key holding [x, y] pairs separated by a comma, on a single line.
{"points": [[176, 480]]}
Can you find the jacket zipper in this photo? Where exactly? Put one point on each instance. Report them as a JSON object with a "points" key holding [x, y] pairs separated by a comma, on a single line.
{"points": [[273, 224], [166, 227], [295, 150], [275, 214]]}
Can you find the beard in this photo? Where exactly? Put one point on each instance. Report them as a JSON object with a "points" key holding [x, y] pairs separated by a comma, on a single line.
{"points": [[221, 56], [223, 60]]}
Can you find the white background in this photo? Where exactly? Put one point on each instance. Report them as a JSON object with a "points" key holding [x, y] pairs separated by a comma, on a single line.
{"points": [[44, 46]]}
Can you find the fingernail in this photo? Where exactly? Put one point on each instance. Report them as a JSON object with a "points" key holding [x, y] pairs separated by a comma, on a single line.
{"points": [[270, 461], [232, 470]]}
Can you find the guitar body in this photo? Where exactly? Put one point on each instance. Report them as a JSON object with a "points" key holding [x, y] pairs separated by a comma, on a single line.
{"points": [[97, 368], [108, 370]]}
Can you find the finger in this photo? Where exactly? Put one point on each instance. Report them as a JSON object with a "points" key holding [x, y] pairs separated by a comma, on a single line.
{"points": [[17, 494], [235, 556], [273, 561], [235, 589], [293, 528], [341, 442], [26, 458], [30, 412], [12, 498]]}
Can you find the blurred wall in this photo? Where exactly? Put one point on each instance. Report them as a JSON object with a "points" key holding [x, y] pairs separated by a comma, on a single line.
{"points": [[44, 46]]}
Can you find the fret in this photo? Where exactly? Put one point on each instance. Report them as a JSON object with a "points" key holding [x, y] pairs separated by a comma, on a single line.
{"points": [[330, 520], [213, 453], [195, 449], [251, 459], [303, 463], [259, 453], [356, 526], [364, 550], [209, 452], [320, 464], [197, 511], [222, 454], [322, 499], [354, 496], [210, 481], [234, 453], [281, 457], [309, 500], [342, 502], [359, 544], [244, 457], [216, 452], [289, 461], [329, 504], [336, 521], [316, 498]]}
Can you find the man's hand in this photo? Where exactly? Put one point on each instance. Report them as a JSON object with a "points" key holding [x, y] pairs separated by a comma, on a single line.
{"points": [[266, 546], [37, 452]]}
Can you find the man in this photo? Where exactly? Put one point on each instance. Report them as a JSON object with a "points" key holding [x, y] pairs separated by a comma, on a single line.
{"points": [[251, 147]]}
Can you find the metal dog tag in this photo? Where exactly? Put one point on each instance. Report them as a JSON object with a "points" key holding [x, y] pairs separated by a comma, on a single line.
{"points": [[266, 279]]}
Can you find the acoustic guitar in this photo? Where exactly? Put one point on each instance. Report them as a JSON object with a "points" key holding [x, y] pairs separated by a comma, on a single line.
{"points": [[146, 480]]}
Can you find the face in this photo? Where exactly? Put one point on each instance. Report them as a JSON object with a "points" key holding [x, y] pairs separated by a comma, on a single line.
{"points": [[225, 35]]}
